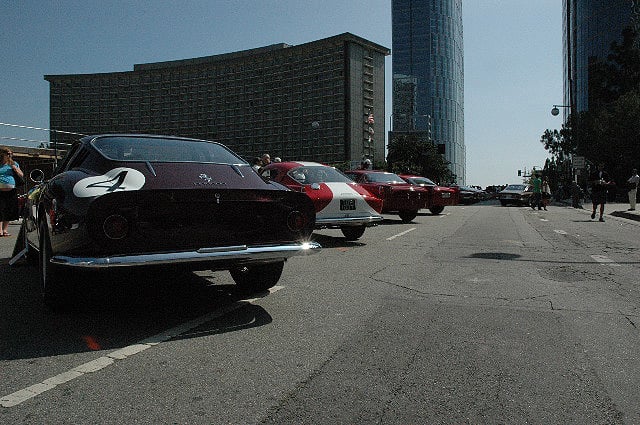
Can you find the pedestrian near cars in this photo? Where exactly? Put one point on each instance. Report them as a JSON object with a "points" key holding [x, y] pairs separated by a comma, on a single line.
{"points": [[365, 164], [632, 182], [576, 195], [11, 177], [546, 193], [537, 192], [266, 159], [256, 163], [600, 181]]}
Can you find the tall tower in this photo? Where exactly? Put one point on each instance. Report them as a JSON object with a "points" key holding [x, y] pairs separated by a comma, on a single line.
{"points": [[589, 28], [428, 75]]}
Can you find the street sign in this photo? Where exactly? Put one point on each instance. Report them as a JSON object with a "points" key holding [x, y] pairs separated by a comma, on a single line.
{"points": [[578, 161]]}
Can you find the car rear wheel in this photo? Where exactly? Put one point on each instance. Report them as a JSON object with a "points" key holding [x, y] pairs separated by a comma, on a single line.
{"points": [[436, 210], [51, 283], [351, 233], [503, 203], [407, 216], [257, 278]]}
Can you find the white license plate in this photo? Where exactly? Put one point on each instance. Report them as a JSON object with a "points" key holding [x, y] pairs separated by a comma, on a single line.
{"points": [[445, 195]]}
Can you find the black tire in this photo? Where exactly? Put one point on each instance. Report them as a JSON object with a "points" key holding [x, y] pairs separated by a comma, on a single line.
{"points": [[257, 278], [51, 279], [503, 203], [407, 216], [436, 210], [352, 233]]}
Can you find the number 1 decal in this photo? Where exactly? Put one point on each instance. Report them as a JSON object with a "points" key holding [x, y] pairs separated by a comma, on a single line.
{"points": [[118, 179]]}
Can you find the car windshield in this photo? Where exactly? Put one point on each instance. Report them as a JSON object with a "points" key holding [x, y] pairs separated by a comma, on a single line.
{"points": [[157, 149], [384, 178], [515, 187], [421, 180], [318, 174]]}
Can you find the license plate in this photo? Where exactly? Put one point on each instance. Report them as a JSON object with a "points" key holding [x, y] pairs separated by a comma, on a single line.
{"points": [[347, 204], [445, 195]]}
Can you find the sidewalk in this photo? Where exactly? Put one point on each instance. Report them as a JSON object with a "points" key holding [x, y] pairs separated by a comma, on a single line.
{"points": [[7, 242]]}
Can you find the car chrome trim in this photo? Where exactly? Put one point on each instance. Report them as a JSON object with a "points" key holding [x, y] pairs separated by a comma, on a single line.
{"points": [[320, 222], [241, 253]]}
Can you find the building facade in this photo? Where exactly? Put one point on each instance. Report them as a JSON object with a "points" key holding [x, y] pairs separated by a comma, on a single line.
{"points": [[316, 101], [589, 28], [428, 75]]}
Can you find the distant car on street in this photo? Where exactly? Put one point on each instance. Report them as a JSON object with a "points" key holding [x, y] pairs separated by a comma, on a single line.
{"points": [[469, 195], [131, 200], [397, 195], [438, 196], [515, 194], [340, 202]]}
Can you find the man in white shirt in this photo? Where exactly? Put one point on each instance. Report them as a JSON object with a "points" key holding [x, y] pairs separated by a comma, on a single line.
{"points": [[633, 188]]}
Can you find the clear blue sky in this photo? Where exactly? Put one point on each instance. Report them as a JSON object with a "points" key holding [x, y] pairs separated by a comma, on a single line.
{"points": [[513, 57]]}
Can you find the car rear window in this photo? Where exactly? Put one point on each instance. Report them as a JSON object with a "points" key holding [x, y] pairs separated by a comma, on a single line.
{"points": [[515, 187], [422, 180], [384, 178], [318, 174], [158, 149]]}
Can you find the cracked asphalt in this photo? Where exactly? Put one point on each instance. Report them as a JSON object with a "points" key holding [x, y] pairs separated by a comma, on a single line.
{"points": [[484, 314]]}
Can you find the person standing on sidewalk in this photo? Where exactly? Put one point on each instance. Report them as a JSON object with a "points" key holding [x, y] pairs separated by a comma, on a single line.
{"points": [[599, 181], [537, 192], [633, 189], [10, 174], [546, 193]]}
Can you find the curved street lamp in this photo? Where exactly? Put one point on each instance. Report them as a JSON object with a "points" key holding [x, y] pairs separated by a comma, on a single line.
{"points": [[555, 111]]}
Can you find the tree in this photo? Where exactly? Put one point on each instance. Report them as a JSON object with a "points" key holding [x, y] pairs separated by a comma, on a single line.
{"points": [[411, 154]]}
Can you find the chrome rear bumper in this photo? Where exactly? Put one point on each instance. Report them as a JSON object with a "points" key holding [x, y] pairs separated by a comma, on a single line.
{"points": [[348, 221], [224, 254]]}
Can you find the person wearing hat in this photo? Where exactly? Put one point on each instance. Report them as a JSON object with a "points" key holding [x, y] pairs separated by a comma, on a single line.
{"points": [[365, 164]]}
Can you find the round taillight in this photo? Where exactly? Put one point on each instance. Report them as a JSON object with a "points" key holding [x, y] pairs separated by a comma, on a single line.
{"points": [[115, 227], [296, 221]]}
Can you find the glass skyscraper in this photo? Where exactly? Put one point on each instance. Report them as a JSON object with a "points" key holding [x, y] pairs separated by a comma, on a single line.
{"points": [[428, 75], [590, 26]]}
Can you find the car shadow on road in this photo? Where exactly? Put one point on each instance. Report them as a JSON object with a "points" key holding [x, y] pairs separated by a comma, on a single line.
{"points": [[328, 241], [113, 310]]}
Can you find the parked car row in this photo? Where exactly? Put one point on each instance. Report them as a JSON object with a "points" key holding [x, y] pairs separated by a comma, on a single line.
{"points": [[130, 201]]}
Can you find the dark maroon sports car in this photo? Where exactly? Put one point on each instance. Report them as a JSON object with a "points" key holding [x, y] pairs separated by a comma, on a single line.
{"points": [[139, 200]]}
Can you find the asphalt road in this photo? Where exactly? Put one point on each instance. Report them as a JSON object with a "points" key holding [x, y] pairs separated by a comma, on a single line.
{"points": [[484, 314]]}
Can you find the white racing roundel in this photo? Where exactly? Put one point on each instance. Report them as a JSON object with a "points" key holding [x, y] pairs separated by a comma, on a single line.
{"points": [[117, 180]]}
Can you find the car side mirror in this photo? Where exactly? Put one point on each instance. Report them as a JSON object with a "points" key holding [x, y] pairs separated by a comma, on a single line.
{"points": [[36, 175]]}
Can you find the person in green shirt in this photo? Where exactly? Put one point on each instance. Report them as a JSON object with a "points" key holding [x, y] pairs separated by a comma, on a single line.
{"points": [[537, 192]]}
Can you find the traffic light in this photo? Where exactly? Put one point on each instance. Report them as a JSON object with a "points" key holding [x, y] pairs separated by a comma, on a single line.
{"points": [[519, 173]]}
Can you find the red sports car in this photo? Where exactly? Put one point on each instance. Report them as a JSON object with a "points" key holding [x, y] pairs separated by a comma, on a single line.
{"points": [[397, 195], [339, 202], [439, 196]]}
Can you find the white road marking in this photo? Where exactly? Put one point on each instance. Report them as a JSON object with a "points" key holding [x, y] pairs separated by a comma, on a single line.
{"points": [[100, 363], [400, 234], [543, 219], [605, 261], [561, 232]]}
